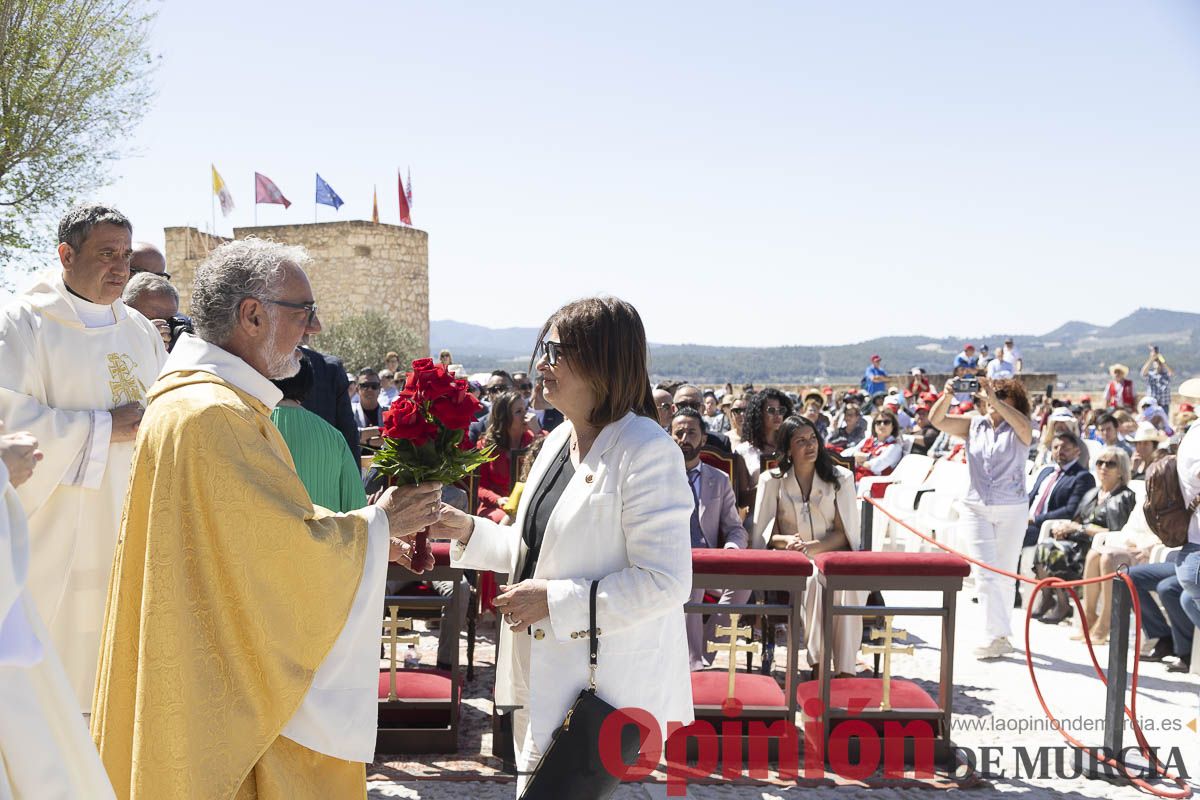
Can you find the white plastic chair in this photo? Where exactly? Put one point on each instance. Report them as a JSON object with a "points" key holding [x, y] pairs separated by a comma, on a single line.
{"points": [[910, 472], [936, 513]]}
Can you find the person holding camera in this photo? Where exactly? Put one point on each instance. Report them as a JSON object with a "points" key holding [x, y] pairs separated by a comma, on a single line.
{"points": [[994, 513]]}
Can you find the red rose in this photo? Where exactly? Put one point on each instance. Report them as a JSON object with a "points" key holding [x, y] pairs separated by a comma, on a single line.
{"points": [[457, 408], [427, 380], [406, 420]]}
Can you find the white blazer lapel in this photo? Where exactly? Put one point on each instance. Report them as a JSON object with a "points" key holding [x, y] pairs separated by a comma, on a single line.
{"points": [[583, 484]]}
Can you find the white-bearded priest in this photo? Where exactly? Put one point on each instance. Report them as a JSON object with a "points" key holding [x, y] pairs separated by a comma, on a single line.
{"points": [[75, 364], [241, 645]]}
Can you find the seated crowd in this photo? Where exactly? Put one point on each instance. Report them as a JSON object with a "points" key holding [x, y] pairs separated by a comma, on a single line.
{"points": [[771, 468]]}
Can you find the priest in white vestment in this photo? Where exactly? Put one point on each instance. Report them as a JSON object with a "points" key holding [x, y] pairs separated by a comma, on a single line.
{"points": [[45, 751], [75, 364]]}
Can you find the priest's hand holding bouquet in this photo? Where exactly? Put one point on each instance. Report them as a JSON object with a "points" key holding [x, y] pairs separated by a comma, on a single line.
{"points": [[425, 446]]}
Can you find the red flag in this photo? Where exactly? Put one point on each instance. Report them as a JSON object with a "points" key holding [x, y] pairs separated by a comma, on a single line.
{"points": [[405, 214], [265, 191]]}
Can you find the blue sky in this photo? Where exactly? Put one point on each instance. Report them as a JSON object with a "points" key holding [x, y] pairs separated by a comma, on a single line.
{"points": [[780, 173]]}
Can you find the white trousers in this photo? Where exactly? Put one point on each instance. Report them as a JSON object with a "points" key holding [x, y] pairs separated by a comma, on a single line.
{"points": [[993, 534], [847, 629]]}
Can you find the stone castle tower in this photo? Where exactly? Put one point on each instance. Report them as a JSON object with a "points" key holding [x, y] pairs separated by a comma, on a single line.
{"points": [[356, 266]]}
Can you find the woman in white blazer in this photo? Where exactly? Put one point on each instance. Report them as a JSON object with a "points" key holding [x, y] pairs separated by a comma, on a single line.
{"points": [[607, 500], [808, 504]]}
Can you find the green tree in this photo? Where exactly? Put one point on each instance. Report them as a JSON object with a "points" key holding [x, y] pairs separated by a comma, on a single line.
{"points": [[364, 339], [74, 81]]}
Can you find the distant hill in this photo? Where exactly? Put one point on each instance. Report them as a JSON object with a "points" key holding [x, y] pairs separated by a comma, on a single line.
{"points": [[1075, 350]]}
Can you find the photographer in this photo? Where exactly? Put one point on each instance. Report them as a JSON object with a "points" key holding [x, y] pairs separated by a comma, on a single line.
{"points": [[994, 513], [157, 300]]}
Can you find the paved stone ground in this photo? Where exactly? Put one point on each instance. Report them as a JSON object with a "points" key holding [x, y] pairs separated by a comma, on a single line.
{"points": [[995, 706]]}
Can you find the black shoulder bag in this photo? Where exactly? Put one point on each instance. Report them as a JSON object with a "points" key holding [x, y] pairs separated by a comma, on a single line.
{"points": [[571, 766]]}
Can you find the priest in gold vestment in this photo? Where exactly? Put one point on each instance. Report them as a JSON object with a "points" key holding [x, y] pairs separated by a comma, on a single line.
{"points": [[241, 639]]}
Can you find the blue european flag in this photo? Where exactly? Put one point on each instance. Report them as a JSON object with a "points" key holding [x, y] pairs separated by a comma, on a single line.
{"points": [[326, 195]]}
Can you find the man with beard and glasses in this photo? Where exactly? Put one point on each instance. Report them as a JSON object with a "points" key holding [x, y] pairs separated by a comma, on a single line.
{"points": [[715, 523], [240, 654]]}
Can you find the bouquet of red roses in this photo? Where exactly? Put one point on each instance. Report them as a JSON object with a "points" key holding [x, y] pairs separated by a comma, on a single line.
{"points": [[425, 436]]}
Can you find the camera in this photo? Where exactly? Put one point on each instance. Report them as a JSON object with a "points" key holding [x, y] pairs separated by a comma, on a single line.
{"points": [[179, 324], [967, 384]]}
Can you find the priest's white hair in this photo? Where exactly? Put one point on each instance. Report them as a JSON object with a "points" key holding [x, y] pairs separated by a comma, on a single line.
{"points": [[234, 272]]}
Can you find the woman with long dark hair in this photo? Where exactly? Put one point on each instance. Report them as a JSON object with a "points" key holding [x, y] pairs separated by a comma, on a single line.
{"points": [[807, 503], [765, 411], [506, 431], [607, 502]]}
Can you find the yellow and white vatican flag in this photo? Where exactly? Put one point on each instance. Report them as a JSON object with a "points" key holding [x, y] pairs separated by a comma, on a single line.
{"points": [[222, 192]]}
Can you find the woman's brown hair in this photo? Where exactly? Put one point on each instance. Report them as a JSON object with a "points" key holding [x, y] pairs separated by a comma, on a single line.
{"points": [[1014, 392], [604, 339], [499, 419]]}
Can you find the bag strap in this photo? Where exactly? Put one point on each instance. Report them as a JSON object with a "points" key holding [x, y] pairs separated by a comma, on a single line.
{"points": [[594, 644]]}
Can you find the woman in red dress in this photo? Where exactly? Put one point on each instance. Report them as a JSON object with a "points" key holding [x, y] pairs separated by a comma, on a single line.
{"points": [[506, 431]]}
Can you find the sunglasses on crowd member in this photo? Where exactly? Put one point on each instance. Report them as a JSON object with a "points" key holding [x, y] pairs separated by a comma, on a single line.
{"points": [[369, 385], [494, 389], [664, 406], [692, 404], [774, 411], [739, 410], [1104, 462], [551, 349], [879, 422], [134, 271], [525, 387]]}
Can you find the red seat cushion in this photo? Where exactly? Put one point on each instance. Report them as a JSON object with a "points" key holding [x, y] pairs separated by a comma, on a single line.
{"points": [[719, 561], [417, 684], [859, 562], [860, 693], [441, 553], [711, 688]]}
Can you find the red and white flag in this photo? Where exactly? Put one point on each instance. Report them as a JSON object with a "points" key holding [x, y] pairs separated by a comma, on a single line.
{"points": [[265, 191], [408, 191]]}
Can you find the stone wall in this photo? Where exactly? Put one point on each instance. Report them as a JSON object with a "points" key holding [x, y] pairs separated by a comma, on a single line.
{"points": [[356, 266]]}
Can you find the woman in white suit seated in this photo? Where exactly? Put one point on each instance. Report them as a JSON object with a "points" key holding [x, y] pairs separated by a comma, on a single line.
{"points": [[807, 503], [607, 500]]}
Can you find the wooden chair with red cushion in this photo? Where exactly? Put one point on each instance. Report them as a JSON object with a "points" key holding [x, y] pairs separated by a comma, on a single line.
{"points": [[718, 461], [423, 715], [760, 695], [860, 698]]}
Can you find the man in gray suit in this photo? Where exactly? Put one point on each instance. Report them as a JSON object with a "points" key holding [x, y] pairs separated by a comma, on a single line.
{"points": [[715, 523]]}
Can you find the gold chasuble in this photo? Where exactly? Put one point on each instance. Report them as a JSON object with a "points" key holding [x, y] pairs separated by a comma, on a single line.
{"points": [[228, 591]]}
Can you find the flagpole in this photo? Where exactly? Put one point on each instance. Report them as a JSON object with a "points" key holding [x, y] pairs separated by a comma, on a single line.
{"points": [[214, 213]]}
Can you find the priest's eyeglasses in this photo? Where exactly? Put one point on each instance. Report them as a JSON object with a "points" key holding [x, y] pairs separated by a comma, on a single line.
{"points": [[552, 350], [311, 308]]}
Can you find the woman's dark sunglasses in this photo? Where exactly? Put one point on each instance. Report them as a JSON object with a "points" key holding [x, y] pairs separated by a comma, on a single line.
{"points": [[551, 349]]}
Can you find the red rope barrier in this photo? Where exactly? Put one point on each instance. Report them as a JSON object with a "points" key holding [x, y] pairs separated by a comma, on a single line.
{"points": [[1070, 586]]}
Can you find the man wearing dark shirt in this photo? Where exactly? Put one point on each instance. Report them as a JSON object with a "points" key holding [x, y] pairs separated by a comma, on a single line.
{"points": [[329, 399]]}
